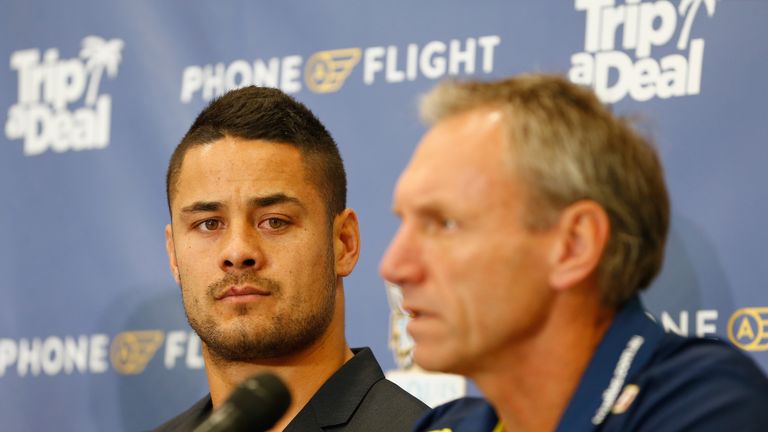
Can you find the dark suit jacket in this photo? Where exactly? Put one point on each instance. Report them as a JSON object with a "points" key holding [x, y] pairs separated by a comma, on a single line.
{"points": [[355, 398]]}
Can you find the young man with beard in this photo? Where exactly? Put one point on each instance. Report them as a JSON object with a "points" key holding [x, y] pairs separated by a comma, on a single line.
{"points": [[259, 241]]}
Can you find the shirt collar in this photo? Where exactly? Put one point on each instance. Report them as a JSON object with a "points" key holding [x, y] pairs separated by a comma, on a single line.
{"points": [[627, 345], [337, 399]]}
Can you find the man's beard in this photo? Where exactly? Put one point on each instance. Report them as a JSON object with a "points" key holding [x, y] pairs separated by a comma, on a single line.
{"points": [[286, 333]]}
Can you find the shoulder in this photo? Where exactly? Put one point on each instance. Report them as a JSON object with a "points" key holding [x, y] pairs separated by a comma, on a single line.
{"points": [[465, 414], [388, 394], [189, 419], [697, 384], [359, 397], [387, 407], [697, 363]]}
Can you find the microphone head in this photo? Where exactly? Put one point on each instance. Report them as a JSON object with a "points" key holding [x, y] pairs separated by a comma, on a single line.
{"points": [[261, 401]]}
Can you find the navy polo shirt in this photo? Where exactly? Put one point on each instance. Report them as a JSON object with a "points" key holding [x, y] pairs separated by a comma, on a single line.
{"points": [[641, 378]]}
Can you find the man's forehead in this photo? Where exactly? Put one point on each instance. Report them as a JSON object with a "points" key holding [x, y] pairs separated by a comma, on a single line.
{"points": [[231, 151], [216, 171], [459, 156], [472, 134]]}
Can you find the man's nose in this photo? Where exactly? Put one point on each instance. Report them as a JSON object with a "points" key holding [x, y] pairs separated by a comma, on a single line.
{"points": [[241, 249], [402, 262]]}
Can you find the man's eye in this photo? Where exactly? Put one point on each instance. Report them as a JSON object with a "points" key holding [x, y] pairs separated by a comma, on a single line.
{"points": [[274, 223], [210, 225], [448, 224], [439, 225]]}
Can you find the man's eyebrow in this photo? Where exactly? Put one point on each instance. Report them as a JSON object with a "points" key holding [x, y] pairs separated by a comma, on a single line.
{"points": [[262, 201], [278, 198], [202, 206]]}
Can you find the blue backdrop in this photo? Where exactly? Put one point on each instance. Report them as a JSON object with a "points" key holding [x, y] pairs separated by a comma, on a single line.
{"points": [[95, 95]]}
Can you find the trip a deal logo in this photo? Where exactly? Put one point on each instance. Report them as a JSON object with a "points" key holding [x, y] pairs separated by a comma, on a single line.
{"points": [[60, 105], [327, 71], [127, 353], [623, 42]]}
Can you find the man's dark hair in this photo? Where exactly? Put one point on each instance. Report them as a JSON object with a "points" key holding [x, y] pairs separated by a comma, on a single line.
{"points": [[260, 113]]}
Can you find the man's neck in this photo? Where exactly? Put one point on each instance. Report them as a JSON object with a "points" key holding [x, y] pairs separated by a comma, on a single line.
{"points": [[530, 385]]}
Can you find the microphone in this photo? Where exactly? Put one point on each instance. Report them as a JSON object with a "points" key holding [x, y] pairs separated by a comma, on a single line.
{"points": [[255, 405]]}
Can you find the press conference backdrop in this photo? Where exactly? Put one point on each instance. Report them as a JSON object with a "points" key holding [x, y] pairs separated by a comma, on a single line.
{"points": [[95, 95]]}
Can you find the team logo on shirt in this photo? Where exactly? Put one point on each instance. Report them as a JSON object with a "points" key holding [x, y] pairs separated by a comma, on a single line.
{"points": [[626, 398], [747, 328]]}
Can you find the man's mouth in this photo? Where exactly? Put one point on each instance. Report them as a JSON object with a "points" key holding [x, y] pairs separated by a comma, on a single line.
{"points": [[413, 313], [235, 292]]}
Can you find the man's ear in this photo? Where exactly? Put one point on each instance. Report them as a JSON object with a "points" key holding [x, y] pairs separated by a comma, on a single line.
{"points": [[582, 234], [346, 242], [171, 250]]}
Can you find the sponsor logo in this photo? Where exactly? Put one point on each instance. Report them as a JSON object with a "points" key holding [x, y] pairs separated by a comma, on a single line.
{"points": [[747, 329], [626, 398], [637, 27], [128, 352], [49, 84], [131, 351], [328, 71]]}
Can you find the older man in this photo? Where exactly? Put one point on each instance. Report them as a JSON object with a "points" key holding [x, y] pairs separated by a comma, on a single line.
{"points": [[260, 240], [531, 219]]}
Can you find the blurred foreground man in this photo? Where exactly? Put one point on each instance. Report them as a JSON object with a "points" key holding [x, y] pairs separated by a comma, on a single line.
{"points": [[531, 218], [259, 241]]}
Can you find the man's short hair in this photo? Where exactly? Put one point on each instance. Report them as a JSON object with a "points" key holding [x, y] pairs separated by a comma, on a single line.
{"points": [[260, 113], [570, 147]]}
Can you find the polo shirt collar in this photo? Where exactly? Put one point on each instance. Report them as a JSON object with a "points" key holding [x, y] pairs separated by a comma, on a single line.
{"points": [[626, 347]]}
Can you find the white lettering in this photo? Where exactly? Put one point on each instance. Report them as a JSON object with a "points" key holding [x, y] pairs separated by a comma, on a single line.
{"points": [[42, 117], [97, 355], [266, 74], [458, 57], [704, 322], [372, 63], [213, 81], [290, 81], [650, 35], [670, 326], [593, 9], [76, 354], [174, 348], [29, 357], [8, 352], [695, 60], [412, 62], [238, 74], [488, 44], [70, 82], [432, 66], [643, 25], [194, 353], [52, 355], [393, 75], [25, 62], [191, 82]]}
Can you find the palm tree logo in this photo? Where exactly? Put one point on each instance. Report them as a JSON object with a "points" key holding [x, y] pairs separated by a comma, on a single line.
{"points": [[99, 55], [691, 7]]}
